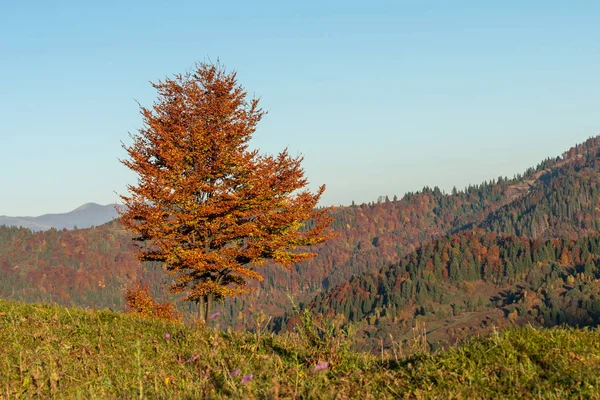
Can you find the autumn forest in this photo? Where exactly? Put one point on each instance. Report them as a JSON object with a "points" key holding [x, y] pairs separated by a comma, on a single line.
{"points": [[508, 251]]}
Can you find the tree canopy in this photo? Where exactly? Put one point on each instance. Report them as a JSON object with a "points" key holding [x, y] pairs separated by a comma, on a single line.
{"points": [[207, 205]]}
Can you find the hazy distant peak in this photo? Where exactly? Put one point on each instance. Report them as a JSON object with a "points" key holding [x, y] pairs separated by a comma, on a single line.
{"points": [[85, 216], [92, 206]]}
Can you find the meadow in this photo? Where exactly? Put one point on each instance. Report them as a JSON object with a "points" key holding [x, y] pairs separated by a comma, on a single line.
{"points": [[50, 351]]}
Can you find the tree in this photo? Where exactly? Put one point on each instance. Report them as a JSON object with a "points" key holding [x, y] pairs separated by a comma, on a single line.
{"points": [[206, 205]]}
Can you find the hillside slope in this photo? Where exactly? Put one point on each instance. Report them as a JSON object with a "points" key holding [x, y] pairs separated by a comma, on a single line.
{"points": [[85, 267], [468, 283], [562, 202], [51, 351], [456, 283]]}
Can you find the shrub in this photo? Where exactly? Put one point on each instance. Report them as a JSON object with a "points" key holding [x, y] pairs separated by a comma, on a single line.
{"points": [[140, 302]]}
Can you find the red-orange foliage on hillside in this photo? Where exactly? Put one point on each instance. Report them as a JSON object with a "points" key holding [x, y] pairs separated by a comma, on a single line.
{"points": [[206, 205]]}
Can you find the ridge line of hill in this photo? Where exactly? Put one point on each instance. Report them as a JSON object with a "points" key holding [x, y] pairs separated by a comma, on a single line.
{"points": [[92, 267]]}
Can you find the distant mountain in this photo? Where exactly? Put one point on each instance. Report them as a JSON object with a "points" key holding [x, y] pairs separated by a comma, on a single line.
{"points": [[88, 215]]}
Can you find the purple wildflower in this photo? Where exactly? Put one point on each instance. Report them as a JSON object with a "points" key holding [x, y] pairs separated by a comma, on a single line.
{"points": [[321, 366], [167, 336], [215, 315], [235, 372], [247, 378]]}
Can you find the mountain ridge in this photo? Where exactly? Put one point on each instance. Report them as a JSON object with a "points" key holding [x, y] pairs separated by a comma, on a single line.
{"points": [[84, 216], [558, 211]]}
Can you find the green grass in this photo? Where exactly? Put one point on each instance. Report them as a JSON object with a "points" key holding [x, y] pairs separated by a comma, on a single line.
{"points": [[49, 351]]}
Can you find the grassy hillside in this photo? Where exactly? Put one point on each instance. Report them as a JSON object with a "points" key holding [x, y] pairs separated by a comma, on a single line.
{"points": [[50, 351]]}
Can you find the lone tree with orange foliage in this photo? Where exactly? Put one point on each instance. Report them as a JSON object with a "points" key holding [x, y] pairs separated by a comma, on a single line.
{"points": [[206, 205]]}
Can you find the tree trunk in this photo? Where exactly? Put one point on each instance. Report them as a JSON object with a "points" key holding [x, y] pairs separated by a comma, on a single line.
{"points": [[209, 305], [202, 310], [205, 304]]}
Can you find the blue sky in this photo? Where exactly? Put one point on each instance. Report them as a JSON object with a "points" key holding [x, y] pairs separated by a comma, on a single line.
{"points": [[380, 97]]}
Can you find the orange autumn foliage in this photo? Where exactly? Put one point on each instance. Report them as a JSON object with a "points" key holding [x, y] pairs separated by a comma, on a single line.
{"points": [[205, 204], [140, 302]]}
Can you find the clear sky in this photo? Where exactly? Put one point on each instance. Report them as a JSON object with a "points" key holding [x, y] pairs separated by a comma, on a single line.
{"points": [[380, 97]]}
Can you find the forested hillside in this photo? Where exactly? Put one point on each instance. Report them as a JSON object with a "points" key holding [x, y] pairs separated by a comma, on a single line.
{"points": [[464, 255], [92, 267], [373, 236], [85, 267], [562, 202], [463, 283]]}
